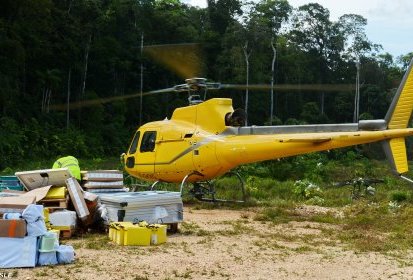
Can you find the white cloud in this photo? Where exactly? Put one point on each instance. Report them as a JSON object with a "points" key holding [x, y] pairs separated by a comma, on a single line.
{"points": [[199, 3], [390, 23]]}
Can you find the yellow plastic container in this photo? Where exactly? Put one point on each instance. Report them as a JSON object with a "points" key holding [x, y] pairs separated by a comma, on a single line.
{"points": [[137, 235], [46, 216], [112, 231], [62, 227], [158, 234], [114, 228], [120, 231], [56, 193]]}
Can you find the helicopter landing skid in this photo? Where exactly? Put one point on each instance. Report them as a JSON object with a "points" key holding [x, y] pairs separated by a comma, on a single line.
{"points": [[205, 190]]}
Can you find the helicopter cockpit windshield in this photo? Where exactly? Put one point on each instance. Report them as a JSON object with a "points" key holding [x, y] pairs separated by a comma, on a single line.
{"points": [[130, 161]]}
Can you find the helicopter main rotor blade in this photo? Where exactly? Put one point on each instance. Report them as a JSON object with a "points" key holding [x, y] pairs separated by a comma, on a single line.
{"points": [[213, 86], [182, 59], [94, 102], [291, 87]]}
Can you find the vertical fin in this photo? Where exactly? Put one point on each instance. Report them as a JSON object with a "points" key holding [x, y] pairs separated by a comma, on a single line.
{"points": [[401, 108]]}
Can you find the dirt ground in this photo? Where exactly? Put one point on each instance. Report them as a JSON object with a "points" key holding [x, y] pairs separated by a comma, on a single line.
{"points": [[228, 244]]}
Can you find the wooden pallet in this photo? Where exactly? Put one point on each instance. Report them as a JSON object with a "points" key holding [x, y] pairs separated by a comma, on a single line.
{"points": [[55, 203], [67, 233]]}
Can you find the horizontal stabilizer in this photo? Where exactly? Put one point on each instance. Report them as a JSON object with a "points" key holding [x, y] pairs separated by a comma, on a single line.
{"points": [[395, 150]]}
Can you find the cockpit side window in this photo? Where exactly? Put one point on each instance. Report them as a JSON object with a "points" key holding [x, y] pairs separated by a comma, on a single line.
{"points": [[134, 144], [148, 141]]}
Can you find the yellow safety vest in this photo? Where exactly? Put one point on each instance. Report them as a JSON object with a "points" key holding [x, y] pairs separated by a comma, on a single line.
{"points": [[71, 163]]}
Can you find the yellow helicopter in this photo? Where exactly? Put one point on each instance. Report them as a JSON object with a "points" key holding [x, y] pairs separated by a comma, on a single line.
{"points": [[208, 138]]}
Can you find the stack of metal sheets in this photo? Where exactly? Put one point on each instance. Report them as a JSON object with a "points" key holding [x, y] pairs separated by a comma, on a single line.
{"points": [[103, 181], [150, 206]]}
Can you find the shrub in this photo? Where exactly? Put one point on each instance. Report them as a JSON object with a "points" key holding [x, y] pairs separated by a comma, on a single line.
{"points": [[306, 189], [398, 196]]}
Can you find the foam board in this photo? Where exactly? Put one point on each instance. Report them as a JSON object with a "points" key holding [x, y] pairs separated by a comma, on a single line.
{"points": [[18, 252], [45, 177]]}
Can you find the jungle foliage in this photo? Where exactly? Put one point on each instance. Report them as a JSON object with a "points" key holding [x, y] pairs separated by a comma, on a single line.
{"points": [[52, 52]]}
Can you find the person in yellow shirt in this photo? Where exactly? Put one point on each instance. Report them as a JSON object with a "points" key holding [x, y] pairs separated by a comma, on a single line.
{"points": [[71, 163]]}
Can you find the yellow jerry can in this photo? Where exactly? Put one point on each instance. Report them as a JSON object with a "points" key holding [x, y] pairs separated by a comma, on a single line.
{"points": [[137, 235], [158, 234], [112, 231], [116, 231]]}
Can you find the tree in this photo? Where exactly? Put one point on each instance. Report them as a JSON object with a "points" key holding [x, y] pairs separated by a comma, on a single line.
{"points": [[405, 60], [265, 22], [356, 43]]}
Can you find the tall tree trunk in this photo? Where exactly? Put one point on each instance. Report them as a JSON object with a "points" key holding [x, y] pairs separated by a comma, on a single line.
{"points": [[247, 56], [44, 99], [272, 79], [24, 79], [82, 92], [141, 83], [49, 95], [70, 7], [68, 98], [357, 96]]}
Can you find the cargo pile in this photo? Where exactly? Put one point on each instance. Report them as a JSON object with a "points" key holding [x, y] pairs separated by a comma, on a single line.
{"points": [[25, 240], [40, 207], [66, 205]]}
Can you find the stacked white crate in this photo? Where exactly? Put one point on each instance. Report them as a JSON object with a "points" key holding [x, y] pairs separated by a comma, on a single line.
{"points": [[103, 181]]}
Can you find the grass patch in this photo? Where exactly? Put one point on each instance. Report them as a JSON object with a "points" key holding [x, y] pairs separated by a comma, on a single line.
{"points": [[238, 227], [278, 212], [94, 242], [191, 228], [377, 227]]}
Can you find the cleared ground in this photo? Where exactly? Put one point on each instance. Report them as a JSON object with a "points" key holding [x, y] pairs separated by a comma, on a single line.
{"points": [[229, 244]]}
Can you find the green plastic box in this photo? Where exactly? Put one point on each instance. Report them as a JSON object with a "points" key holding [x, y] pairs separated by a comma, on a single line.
{"points": [[10, 183]]}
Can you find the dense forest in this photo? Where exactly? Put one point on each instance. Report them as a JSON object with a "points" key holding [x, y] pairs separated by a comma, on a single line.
{"points": [[58, 52]]}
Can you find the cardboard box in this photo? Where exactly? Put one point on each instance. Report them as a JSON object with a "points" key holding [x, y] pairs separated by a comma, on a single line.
{"points": [[15, 203], [13, 228], [18, 252], [39, 193]]}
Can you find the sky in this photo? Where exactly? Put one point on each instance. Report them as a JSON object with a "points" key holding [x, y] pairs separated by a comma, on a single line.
{"points": [[389, 22]]}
